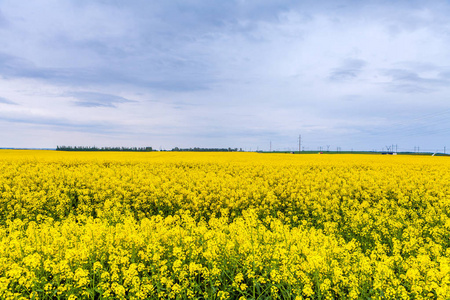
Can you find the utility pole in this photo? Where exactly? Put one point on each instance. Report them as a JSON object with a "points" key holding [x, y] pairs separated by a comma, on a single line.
{"points": [[444, 149], [299, 143], [270, 146]]}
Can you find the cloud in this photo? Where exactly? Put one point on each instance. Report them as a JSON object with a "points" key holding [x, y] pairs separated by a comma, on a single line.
{"points": [[7, 101], [235, 70], [3, 21], [407, 81], [350, 69], [91, 99], [16, 67], [11, 65], [58, 123]]}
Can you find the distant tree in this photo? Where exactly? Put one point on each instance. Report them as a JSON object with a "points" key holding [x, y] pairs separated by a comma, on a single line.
{"points": [[93, 148], [197, 149]]}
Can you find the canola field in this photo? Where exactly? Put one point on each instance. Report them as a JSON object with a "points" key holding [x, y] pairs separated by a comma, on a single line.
{"points": [[167, 225]]}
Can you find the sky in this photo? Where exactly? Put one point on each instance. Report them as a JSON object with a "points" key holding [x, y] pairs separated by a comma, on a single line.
{"points": [[255, 75]]}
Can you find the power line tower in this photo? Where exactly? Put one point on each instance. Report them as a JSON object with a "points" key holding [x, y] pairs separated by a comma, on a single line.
{"points": [[299, 143]]}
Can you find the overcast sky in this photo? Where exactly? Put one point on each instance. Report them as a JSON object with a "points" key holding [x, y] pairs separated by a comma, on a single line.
{"points": [[349, 74]]}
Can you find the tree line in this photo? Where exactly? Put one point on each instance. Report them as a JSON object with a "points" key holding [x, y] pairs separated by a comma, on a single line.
{"points": [[83, 148], [197, 149]]}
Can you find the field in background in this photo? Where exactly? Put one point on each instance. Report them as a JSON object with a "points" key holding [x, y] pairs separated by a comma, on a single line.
{"points": [[223, 225]]}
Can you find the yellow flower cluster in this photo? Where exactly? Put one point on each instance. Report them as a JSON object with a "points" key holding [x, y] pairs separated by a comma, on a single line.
{"points": [[223, 226]]}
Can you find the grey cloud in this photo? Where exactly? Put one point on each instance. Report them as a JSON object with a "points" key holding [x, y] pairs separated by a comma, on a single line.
{"points": [[3, 21], [210, 52], [407, 81], [409, 88], [350, 69], [7, 101], [405, 76], [165, 50], [354, 99], [445, 75], [418, 66], [216, 132], [11, 65], [60, 123], [16, 67], [91, 99], [198, 14]]}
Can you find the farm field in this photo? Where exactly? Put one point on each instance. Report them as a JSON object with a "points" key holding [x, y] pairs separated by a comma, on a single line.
{"points": [[169, 225]]}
